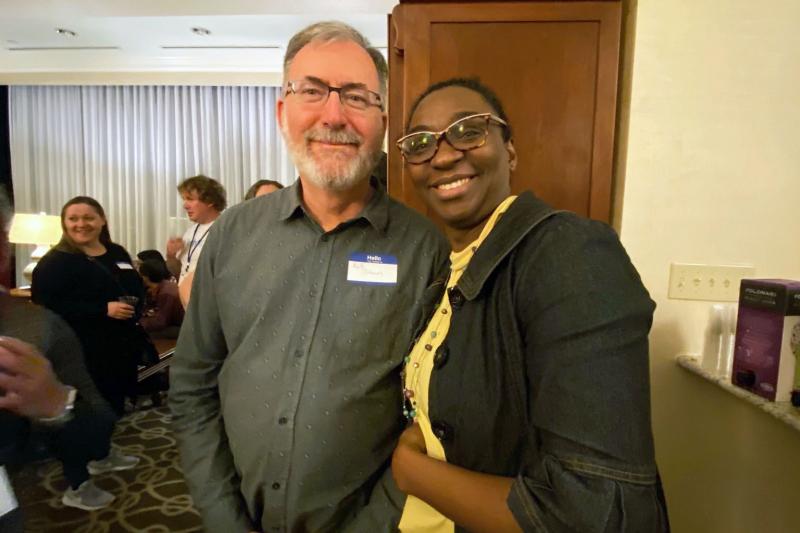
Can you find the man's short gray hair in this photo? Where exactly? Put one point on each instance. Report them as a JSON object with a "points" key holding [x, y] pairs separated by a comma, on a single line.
{"points": [[332, 30]]}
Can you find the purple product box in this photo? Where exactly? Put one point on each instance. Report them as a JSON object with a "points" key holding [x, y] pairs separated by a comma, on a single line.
{"points": [[768, 338]]}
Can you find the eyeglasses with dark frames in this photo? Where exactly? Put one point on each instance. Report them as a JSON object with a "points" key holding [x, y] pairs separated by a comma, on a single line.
{"points": [[464, 134], [314, 91]]}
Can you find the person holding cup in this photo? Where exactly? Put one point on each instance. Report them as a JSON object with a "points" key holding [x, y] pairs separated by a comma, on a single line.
{"points": [[90, 282]]}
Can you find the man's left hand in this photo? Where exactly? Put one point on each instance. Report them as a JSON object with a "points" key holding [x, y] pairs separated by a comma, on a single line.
{"points": [[27, 382]]}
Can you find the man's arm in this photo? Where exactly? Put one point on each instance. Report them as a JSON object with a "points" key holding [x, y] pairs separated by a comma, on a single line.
{"points": [[194, 399], [185, 289], [29, 385], [64, 351], [174, 248], [382, 512]]}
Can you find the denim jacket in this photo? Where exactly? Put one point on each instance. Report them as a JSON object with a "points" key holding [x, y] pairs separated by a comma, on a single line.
{"points": [[544, 374]]}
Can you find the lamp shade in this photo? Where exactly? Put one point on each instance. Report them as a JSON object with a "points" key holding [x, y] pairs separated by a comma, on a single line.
{"points": [[27, 228]]}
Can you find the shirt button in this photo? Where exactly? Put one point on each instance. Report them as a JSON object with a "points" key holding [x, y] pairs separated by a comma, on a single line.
{"points": [[276, 486], [282, 421], [298, 353], [311, 293]]}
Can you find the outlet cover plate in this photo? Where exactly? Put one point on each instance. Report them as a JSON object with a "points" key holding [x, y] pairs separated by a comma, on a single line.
{"points": [[715, 283]]}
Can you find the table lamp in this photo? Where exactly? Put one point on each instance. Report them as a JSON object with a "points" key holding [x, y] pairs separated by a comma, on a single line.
{"points": [[42, 230]]}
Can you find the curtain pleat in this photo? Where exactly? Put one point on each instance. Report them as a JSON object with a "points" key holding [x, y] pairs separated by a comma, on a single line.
{"points": [[130, 146]]}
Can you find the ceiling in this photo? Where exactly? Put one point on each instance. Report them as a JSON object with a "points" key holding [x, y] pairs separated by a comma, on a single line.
{"points": [[155, 36]]}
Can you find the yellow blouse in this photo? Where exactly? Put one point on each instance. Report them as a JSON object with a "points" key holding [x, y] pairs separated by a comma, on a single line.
{"points": [[418, 516]]}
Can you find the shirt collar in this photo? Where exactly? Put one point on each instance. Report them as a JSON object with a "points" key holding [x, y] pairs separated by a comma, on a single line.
{"points": [[376, 212]]}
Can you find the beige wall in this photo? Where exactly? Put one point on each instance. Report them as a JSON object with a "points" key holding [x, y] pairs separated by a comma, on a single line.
{"points": [[712, 175]]}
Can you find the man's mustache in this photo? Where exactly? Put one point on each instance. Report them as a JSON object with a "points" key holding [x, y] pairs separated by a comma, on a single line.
{"points": [[328, 135]]}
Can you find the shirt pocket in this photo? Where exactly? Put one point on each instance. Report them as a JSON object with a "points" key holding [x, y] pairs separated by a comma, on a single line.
{"points": [[373, 323]]}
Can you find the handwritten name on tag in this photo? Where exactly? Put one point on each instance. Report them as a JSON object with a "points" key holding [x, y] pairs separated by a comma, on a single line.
{"points": [[372, 269]]}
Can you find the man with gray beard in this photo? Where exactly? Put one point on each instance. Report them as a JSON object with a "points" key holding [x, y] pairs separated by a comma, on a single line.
{"points": [[285, 388]]}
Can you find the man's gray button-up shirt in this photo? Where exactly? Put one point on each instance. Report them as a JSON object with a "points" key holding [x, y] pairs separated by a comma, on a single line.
{"points": [[285, 388]]}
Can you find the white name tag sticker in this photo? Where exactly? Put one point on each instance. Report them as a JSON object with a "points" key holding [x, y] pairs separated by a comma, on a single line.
{"points": [[7, 501], [124, 266], [372, 269]]}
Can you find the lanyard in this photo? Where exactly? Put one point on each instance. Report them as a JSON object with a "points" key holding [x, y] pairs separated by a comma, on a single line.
{"points": [[196, 244]]}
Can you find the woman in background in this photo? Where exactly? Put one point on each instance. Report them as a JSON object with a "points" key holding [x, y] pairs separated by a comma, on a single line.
{"points": [[43, 381], [262, 187], [528, 385], [83, 279], [154, 256], [163, 313]]}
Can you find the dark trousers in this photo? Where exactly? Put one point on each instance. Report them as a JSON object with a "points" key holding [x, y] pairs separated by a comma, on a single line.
{"points": [[85, 438], [11, 522], [115, 382]]}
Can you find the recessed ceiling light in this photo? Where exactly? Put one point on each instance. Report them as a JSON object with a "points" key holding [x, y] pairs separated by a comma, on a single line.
{"points": [[65, 32], [201, 31]]}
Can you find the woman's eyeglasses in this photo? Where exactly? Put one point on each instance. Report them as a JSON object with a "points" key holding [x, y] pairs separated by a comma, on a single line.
{"points": [[464, 134]]}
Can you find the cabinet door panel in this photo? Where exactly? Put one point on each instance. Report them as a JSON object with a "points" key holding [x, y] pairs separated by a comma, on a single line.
{"points": [[554, 66]]}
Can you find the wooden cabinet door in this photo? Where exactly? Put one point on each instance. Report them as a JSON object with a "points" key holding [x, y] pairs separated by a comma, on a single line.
{"points": [[554, 67]]}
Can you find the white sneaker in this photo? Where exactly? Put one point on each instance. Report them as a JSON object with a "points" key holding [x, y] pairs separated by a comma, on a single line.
{"points": [[115, 462], [88, 497]]}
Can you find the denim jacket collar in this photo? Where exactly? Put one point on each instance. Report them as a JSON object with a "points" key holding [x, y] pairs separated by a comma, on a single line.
{"points": [[522, 216]]}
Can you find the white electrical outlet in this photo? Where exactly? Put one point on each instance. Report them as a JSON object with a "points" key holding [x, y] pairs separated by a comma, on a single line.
{"points": [[716, 283]]}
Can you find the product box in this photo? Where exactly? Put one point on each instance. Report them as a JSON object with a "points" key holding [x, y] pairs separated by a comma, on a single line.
{"points": [[768, 338]]}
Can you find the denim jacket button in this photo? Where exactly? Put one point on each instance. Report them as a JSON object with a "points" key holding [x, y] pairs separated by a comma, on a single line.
{"points": [[456, 298], [442, 431], [441, 356]]}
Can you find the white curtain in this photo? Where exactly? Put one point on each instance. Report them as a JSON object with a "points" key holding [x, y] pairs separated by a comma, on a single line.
{"points": [[130, 146]]}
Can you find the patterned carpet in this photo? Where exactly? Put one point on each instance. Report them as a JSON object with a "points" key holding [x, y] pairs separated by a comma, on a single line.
{"points": [[152, 498]]}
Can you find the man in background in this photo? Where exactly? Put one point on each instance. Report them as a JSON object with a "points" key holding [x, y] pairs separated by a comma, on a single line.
{"points": [[203, 200]]}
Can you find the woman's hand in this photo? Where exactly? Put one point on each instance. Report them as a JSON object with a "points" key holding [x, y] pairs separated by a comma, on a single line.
{"points": [[413, 439], [478, 505], [410, 447], [120, 311]]}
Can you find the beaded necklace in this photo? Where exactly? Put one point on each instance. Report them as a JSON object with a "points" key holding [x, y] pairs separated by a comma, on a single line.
{"points": [[409, 396], [439, 324]]}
